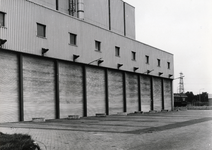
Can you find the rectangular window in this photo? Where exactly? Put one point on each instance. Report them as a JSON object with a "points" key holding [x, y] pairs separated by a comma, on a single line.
{"points": [[147, 59], [97, 46], [117, 51], [158, 62], [41, 30], [168, 65], [2, 17], [73, 39], [133, 55]]}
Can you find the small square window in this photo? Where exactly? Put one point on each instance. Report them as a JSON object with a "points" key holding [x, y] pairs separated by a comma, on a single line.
{"points": [[2, 17], [97, 45], [158, 62], [41, 30], [73, 39], [147, 59], [168, 65], [117, 51], [133, 56]]}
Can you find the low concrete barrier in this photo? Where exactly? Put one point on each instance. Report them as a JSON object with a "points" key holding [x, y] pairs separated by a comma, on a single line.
{"points": [[101, 115], [73, 117], [38, 119], [138, 112]]}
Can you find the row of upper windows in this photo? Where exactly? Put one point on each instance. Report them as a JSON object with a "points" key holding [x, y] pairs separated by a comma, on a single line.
{"points": [[133, 54], [41, 32]]}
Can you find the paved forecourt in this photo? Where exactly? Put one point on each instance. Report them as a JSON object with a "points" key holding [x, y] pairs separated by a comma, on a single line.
{"points": [[165, 130]]}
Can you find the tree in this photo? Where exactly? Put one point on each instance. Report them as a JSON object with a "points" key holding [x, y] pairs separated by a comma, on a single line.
{"points": [[204, 97], [190, 97]]}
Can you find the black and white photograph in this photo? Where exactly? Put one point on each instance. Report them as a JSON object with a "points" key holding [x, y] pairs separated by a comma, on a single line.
{"points": [[105, 75]]}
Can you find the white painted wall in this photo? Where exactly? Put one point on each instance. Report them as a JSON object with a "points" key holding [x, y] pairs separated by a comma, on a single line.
{"points": [[20, 32]]}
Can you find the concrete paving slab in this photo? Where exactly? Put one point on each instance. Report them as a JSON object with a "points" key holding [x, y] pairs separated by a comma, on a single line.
{"points": [[172, 130]]}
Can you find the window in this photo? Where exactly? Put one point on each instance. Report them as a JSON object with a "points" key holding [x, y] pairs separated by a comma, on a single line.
{"points": [[117, 51], [97, 46], [133, 56], [158, 62], [147, 59], [168, 65], [41, 30], [2, 17], [73, 39]]}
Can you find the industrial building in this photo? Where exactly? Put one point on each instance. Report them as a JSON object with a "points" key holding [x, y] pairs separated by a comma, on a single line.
{"points": [[75, 57]]}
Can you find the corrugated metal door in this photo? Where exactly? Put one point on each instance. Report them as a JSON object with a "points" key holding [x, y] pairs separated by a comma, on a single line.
{"points": [[132, 92], [95, 91], [71, 90], [167, 94], [145, 93], [8, 87], [39, 88], [157, 94], [115, 90]]}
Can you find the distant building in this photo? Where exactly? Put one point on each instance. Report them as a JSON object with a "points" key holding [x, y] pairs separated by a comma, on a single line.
{"points": [[75, 57], [210, 99], [180, 99]]}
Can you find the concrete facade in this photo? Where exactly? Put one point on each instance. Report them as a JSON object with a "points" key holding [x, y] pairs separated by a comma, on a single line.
{"points": [[78, 79]]}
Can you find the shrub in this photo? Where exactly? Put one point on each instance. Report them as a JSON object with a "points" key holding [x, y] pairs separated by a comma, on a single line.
{"points": [[17, 142]]}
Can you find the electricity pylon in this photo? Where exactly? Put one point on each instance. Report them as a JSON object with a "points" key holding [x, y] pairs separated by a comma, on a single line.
{"points": [[181, 84]]}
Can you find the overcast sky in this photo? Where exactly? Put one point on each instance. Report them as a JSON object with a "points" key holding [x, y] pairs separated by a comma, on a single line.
{"points": [[183, 28]]}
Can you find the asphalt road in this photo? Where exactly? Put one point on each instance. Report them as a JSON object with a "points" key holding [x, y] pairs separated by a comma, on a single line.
{"points": [[193, 137], [182, 130]]}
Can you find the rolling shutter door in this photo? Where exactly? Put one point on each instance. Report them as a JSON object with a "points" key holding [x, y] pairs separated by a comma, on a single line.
{"points": [[167, 95], [145, 93], [39, 88], [8, 87], [95, 91], [71, 90], [115, 89], [132, 92], [157, 94]]}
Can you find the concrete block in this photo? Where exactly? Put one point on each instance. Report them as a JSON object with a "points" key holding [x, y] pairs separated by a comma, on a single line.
{"points": [[101, 115], [138, 112], [38, 120], [73, 117], [164, 110]]}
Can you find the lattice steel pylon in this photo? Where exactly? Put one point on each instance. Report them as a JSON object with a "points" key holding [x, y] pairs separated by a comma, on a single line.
{"points": [[181, 84]]}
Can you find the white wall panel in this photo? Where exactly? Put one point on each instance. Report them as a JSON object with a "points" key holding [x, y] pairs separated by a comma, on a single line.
{"points": [[95, 91], [64, 6], [47, 3], [9, 105], [96, 12], [167, 95], [117, 16], [157, 94], [115, 90], [145, 92], [132, 92], [71, 90], [39, 88], [130, 20]]}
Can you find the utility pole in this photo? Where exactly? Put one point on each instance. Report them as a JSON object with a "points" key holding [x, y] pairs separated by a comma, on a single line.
{"points": [[181, 84]]}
